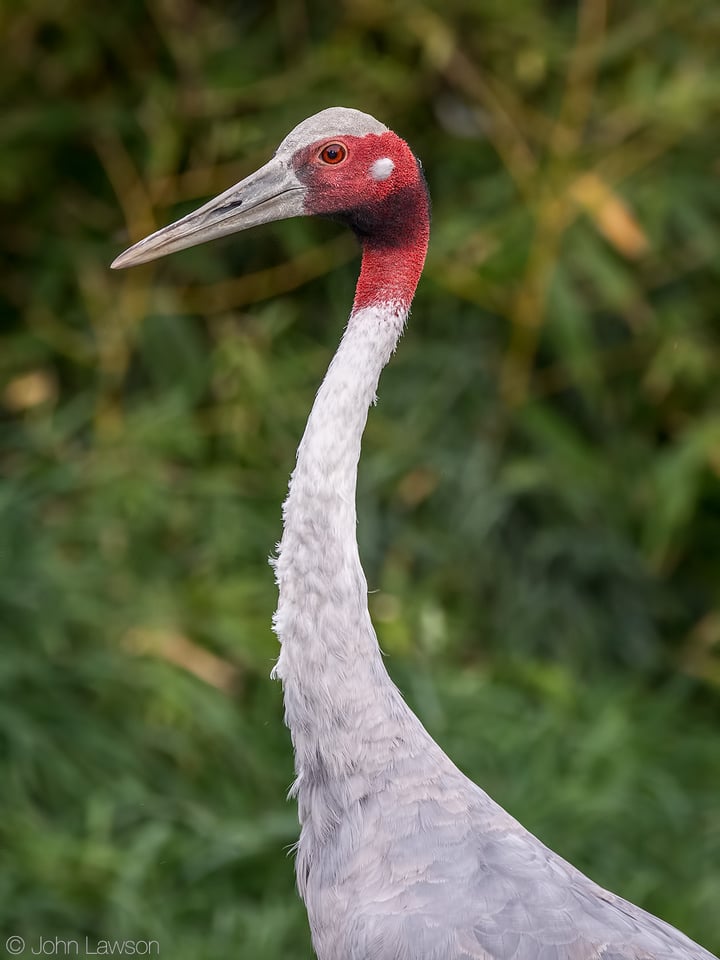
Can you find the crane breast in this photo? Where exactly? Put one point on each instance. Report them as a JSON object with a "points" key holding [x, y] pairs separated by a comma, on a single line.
{"points": [[452, 876]]}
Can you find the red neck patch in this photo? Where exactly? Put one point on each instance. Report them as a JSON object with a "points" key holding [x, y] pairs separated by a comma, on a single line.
{"points": [[379, 191]]}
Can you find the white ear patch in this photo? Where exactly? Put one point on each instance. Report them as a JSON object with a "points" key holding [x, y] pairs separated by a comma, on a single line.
{"points": [[382, 168]]}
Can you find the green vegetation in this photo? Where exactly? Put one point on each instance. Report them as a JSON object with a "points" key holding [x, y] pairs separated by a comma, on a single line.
{"points": [[539, 497]]}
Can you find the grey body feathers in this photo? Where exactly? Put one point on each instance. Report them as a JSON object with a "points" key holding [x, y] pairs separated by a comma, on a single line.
{"points": [[400, 856], [425, 865]]}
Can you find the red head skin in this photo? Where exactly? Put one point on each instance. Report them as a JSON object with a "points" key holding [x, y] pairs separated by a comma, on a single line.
{"points": [[390, 214]]}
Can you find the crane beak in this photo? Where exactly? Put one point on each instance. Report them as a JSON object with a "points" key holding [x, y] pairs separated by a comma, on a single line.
{"points": [[271, 193]]}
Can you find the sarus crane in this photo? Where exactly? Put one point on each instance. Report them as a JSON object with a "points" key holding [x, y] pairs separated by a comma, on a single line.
{"points": [[400, 855]]}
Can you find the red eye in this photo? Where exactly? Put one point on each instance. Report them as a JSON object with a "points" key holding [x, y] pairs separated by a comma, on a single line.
{"points": [[333, 153]]}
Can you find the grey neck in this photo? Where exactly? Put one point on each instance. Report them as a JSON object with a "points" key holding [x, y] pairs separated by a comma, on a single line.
{"points": [[330, 664]]}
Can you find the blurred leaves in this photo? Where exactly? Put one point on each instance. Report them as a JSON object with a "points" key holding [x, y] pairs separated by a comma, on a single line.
{"points": [[539, 493]]}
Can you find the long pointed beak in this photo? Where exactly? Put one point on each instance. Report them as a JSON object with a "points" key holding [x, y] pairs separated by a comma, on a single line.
{"points": [[271, 193]]}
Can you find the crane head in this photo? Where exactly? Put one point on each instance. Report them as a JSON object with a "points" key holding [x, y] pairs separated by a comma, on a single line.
{"points": [[340, 163]]}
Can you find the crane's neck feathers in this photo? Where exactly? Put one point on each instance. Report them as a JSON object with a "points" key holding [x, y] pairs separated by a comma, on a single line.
{"points": [[330, 662]]}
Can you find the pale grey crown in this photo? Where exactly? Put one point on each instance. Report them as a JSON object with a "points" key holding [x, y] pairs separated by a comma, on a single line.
{"points": [[333, 122]]}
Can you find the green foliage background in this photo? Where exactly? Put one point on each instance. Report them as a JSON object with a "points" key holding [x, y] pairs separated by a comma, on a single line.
{"points": [[539, 500]]}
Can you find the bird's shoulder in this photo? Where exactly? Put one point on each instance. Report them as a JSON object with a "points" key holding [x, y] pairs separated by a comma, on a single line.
{"points": [[445, 873]]}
